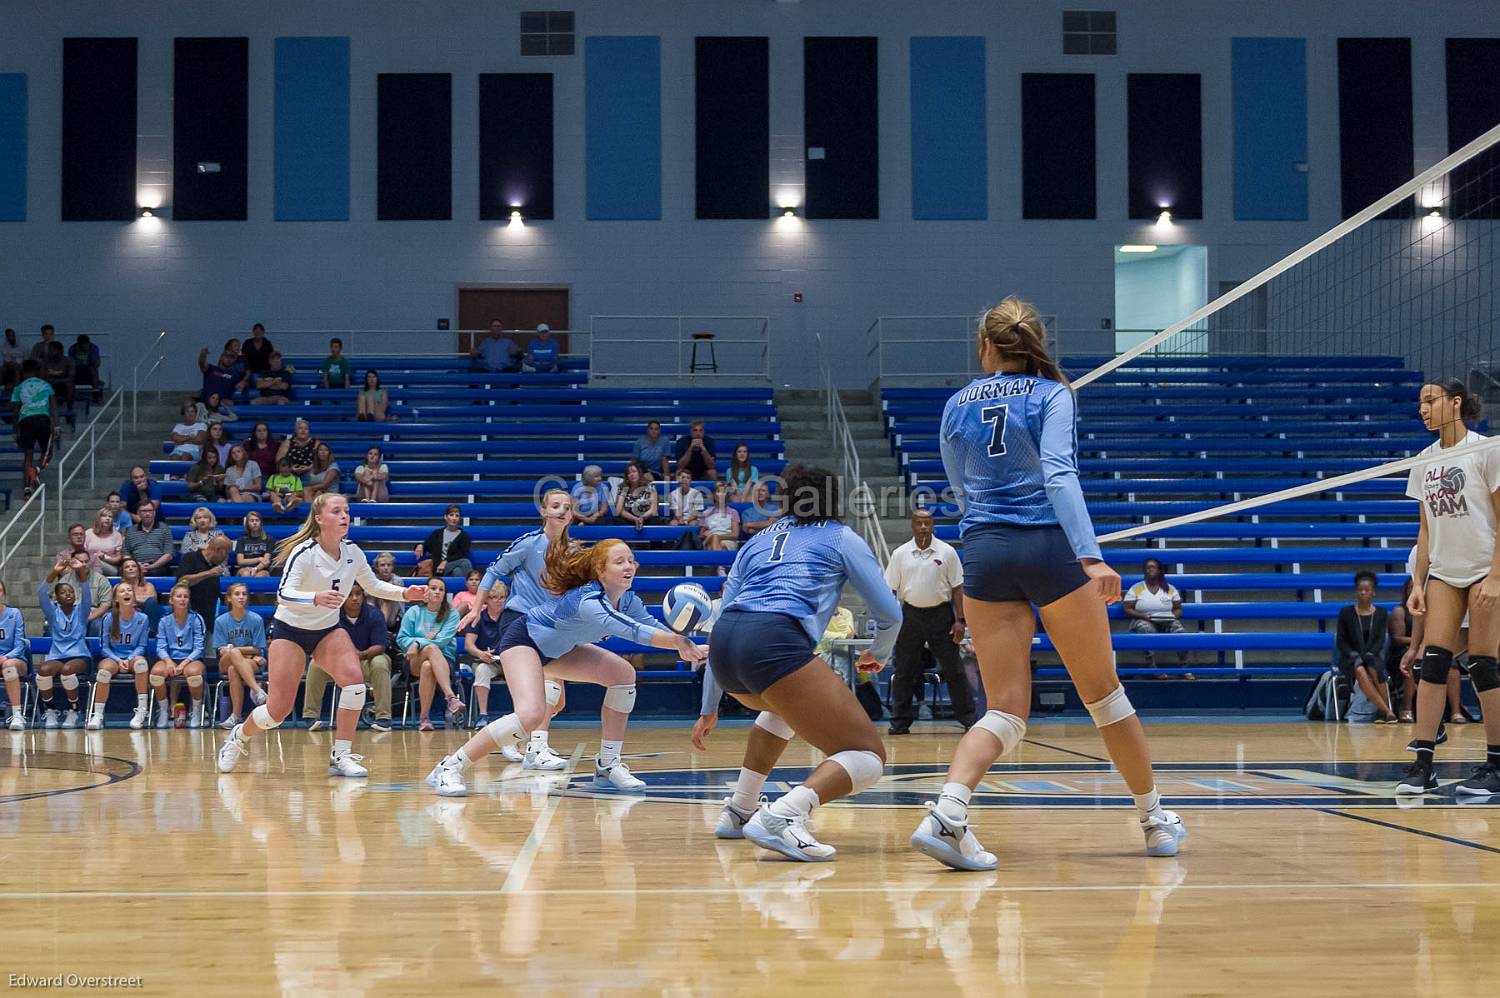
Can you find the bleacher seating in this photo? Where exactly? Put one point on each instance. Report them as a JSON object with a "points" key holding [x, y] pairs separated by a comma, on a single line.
{"points": [[1163, 438]]}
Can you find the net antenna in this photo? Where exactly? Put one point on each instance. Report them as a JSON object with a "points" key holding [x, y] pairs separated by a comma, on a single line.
{"points": [[1330, 345]]}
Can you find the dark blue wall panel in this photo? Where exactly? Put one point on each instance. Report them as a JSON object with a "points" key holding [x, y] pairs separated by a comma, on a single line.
{"points": [[515, 145], [732, 127], [1473, 69], [312, 129], [1376, 145], [1165, 157], [98, 129], [1270, 128], [949, 165], [414, 147], [210, 125], [12, 147], [622, 121], [1059, 176], [841, 126]]}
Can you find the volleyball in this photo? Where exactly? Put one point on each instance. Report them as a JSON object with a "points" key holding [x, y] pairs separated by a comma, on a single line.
{"points": [[686, 607]]}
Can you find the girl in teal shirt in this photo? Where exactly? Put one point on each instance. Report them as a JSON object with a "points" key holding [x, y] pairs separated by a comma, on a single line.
{"points": [[428, 635]]}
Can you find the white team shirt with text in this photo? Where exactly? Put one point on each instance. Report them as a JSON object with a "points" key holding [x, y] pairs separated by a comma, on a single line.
{"points": [[1455, 495], [310, 570]]}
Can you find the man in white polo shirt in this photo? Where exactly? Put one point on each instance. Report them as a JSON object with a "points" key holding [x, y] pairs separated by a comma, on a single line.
{"points": [[928, 580]]}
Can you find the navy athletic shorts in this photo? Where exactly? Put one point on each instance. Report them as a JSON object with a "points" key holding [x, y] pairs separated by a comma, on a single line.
{"points": [[749, 651], [518, 635], [305, 639], [1005, 563]]}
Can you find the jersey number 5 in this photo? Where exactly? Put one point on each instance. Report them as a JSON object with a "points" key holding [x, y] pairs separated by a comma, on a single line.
{"points": [[996, 415], [778, 548]]}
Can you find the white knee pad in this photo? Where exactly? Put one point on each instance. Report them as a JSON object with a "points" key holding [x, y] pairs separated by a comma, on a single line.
{"points": [[1113, 708], [506, 730], [261, 716], [140, 666], [157, 681], [70, 683], [484, 674], [554, 694], [103, 677], [775, 724], [620, 698], [43, 684], [1008, 729], [194, 682], [864, 768], [12, 673], [352, 697]]}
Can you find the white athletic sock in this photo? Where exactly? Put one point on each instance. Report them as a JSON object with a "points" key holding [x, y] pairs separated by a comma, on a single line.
{"points": [[539, 741], [796, 803], [954, 801], [342, 746], [609, 754], [98, 710], [747, 789], [1148, 804], [142, 701], [461, 759]]}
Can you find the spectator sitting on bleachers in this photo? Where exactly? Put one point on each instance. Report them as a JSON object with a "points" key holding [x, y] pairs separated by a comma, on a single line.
{"points": [[91, 586], [427, 636], [105, 543], [385, 570], [373, 478], [252, 552], [242, 476], [239, 639], [262, 447], [446, 550], [57, 371], [591, 498], [84, 356], [464, 602], [200, 570], [497, 352], [372, 401], [205, 479], [324, 476], [77, 544], [541, 352], [188, 435], [284, 489], [218, 441], [1154, 606], [221, 378], [1363, 637], [652, 449], [367, 631], [1403, 652], [763, 511], [273, 386], [139, 491], [133, 574], [742, 475], [149, 542], [39, 349], [335, 367], [300, 449], [686, 504], [11, 358], [720, 528], [203, 527], [637, 500], [117, 512], [482, 643], [257, 351], [215, 408], [239, 367], [695, 453]]}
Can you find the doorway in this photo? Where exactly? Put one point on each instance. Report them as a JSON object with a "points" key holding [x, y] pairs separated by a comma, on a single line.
{"points": [[517, 308], [1156, 286]]}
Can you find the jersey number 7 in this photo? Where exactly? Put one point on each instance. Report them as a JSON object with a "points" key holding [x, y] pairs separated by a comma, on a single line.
{"points": [[996, 415]]}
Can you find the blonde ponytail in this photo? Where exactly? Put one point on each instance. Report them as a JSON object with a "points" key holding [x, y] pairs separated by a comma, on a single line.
{"points": [[1015, 331], [309, 528]]}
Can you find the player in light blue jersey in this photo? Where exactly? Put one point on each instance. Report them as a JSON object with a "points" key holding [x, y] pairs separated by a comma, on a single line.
{"points": [[1009, 446], [776, 604], [122, 650], [67, 619], [15, 658], [523, 567], [594, 602], [181, 637]]}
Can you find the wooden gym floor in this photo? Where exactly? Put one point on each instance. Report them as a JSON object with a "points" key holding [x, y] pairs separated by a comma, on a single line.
{"points": [[124, 854]]}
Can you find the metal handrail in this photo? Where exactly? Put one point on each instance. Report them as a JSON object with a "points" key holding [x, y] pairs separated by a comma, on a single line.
{"points": [[680, 338], [157, 349], [7, 545], [115, 409], [861, 504]]}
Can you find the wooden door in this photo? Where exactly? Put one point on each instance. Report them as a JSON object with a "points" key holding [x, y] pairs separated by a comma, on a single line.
{"points": [[517, 308]]}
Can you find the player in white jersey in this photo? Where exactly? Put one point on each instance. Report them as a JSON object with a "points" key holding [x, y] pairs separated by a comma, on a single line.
{"points": [[318, 567], [1457, 571]]}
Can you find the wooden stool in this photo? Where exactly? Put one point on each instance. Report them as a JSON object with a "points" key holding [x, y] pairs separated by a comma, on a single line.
{"points": [[712, 363]]}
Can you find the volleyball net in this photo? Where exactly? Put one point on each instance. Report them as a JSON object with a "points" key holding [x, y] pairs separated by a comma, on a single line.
{"points": [[1303, 380]]}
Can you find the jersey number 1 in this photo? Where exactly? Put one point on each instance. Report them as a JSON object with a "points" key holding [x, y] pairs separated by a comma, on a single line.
{"points": [[778, 547], [996, 414]]}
